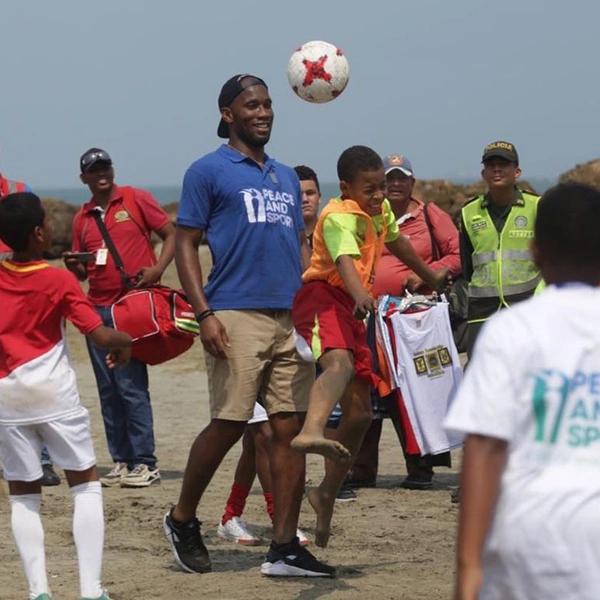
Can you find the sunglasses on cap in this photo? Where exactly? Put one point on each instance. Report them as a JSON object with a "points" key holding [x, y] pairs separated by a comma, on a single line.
{"points": [[91, 158]]}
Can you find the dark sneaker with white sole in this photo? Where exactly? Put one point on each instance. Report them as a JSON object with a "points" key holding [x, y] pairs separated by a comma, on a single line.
{"points": [[346, 494], [186, 541], [411, 482], [49, 476], [293, 560]]}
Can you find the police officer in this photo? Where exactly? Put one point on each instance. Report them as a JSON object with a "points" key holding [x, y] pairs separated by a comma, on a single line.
{"points": [[495, 232]]}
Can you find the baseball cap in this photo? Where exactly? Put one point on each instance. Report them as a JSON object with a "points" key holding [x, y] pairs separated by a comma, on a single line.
{"points": [[92, 156], [501, 149], [232, 88], [397, 161]]}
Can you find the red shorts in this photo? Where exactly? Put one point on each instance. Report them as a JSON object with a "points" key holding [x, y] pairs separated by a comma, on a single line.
{"points": [[322, 315]]}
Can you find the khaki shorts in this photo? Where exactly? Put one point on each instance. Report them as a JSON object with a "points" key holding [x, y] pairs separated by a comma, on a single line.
{"points": [[262, 358]]}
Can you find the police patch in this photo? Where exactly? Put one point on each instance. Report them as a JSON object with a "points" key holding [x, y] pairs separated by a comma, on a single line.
{"points": [[521, 222], [121, 215], [478, 225]]}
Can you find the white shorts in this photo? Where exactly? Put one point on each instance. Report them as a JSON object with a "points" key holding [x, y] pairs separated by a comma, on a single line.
{"points": [[69, 442], [259, 416]]}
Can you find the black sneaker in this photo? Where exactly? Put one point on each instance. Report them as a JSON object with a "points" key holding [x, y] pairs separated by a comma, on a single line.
{"points": [[412, 482], [353, 483], [346, 494], [186, 540], [293, 560], [50, 476]]}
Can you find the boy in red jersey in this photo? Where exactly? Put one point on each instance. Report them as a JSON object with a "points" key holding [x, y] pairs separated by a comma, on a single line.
{"points": [[39, 402], [328, 312]]}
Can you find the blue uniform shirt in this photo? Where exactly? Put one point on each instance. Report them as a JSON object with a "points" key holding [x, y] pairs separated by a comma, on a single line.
{"points": [[253, 219]]}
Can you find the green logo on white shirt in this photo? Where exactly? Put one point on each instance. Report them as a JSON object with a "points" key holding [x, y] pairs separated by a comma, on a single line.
{"points": [[571, 404]]}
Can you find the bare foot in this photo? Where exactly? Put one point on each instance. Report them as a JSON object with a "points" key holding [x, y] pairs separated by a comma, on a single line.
{"points": [[306, 444], [323, 506]]}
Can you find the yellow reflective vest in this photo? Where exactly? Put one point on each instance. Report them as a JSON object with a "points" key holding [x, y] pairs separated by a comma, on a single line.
{"points": [[502, 264]]}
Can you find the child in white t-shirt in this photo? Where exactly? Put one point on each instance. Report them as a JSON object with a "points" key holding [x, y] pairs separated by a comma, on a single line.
{"points": [[39, 402], [529, 526]]}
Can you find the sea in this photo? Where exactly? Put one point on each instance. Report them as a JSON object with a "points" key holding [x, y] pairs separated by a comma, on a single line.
{"points": [[166, 194]]}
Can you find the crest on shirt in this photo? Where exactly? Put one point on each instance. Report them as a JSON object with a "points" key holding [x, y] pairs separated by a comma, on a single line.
{"points": [[432, 361], [520, 222], [121, 215]]}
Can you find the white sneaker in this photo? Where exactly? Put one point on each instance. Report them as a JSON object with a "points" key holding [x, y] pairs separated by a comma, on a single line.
{"points": [[236, 530], [140, 476], [301, 538], [113, 478]]}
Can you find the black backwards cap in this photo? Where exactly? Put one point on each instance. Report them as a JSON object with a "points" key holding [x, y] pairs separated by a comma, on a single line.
{"points": [[230, 91]]}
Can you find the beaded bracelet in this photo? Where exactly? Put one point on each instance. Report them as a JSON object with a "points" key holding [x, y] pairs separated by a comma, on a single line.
{"points": [[205, 313]]}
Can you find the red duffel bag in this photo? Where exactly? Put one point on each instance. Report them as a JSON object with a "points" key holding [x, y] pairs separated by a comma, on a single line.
{"points": [[160, 321]]}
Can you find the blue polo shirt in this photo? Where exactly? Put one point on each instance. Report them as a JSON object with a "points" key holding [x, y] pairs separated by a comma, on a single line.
{"points": [[252, 217]]}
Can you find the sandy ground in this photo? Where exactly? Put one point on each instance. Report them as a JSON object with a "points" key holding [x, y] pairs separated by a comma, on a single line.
{"points": [[389, 544]]}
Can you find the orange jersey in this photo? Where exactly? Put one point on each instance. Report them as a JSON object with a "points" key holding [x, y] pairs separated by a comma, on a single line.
{"points": [[368, 242]]}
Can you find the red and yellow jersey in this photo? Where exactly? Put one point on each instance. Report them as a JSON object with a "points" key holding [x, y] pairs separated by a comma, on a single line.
{"points": [[37, 382]]}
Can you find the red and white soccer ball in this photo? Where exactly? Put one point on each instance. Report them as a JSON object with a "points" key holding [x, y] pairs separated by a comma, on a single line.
{"points": [[318, 71]]}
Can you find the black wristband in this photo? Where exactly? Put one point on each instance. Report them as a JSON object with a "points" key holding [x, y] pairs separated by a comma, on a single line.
{"points": [[205, 313]]}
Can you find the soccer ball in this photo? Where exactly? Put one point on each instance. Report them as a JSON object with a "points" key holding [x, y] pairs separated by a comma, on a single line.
{"points": [[318, 71]]}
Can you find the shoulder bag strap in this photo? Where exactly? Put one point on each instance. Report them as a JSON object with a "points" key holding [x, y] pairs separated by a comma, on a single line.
{"points": [[435, 251], [127, 280]]}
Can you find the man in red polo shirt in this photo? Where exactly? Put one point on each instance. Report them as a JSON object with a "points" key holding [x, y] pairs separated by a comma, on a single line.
{"points": [[130, 215]]}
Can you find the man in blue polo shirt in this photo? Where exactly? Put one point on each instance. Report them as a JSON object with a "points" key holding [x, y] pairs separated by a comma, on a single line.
{"points": [[250, 208]]}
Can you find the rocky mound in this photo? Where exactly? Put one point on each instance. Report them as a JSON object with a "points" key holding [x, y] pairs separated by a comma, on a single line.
{"points": [[60, 214], [171, 210], [451, 197], [588, 173]]}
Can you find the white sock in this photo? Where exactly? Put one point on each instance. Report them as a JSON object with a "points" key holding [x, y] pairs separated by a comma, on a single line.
{"points": [[88, 533], [29, 536]]}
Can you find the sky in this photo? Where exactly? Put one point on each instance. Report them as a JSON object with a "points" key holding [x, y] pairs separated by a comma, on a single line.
{"points": [[435, 80]]}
